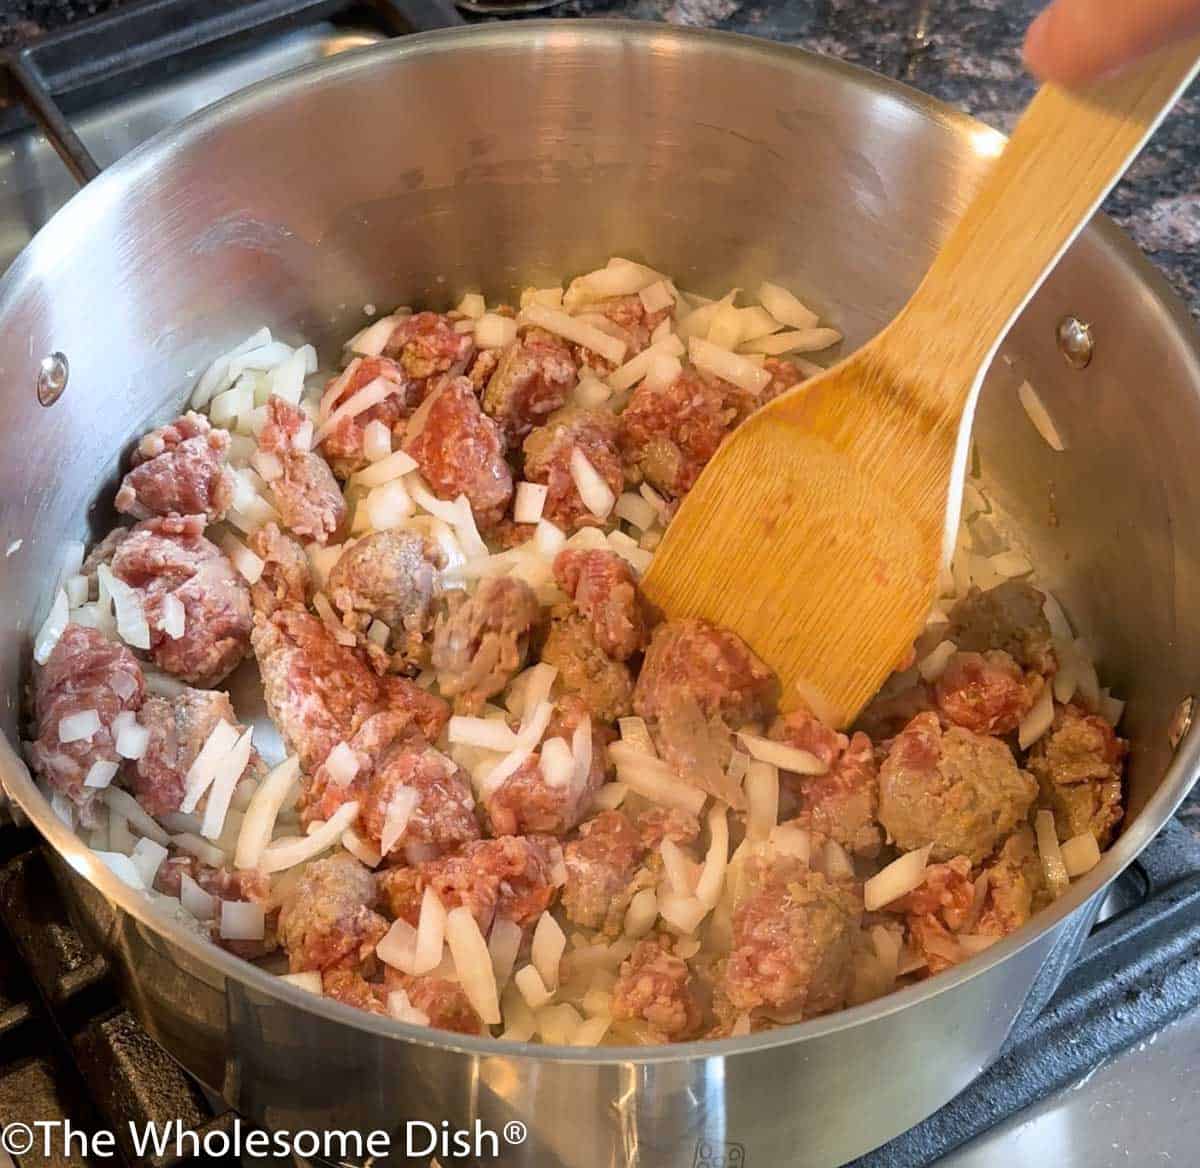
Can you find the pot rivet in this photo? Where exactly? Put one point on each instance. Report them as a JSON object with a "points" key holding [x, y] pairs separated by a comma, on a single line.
{"points": [[1181, 722], [1075, 341], [53, 374]]}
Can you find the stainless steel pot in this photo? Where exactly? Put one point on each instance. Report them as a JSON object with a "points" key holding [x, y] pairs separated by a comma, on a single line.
{"points": [[404, 173]]}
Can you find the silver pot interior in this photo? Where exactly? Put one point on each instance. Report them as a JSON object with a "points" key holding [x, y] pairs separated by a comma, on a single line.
{"points": [[417, 170]]}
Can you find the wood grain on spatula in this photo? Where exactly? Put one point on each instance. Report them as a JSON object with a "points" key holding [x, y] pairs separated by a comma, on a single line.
{"points": [[818, 530]]}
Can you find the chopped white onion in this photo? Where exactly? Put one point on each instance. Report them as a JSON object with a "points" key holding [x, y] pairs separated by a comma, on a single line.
{"points": [[576, 331], [899, 878], [400, 808], [131, 739], [122, 867], [186, 841], [217, 375], [716, 861], [680, 869], [548, 539], [762, 799], [472, 305], [147, 857], [682, 914], [664, 371], [641, 913], [1080, 854], [398, 946], [400, 1008], [596, 494], [377, 441], [657, 296], [489, 733], [628, 375], [789, 840], [377, 390], [360, 849], [243, 559], [391, 466], [532, 988], [557, 763], [127, 605], [610, 796], [1053, 865], [654, 779], [371, 341], [493, 331], [260, 817], [635, 732], [202, 905], [530, 502], [52, 628], [329, 618], [1037, 413], [547, 948], [287, 853], [1038, 720], [581, 752], [934, 663], [242, 920], [78, 726], [100, 774], [1010, 564], [528, 737], [779, 754], [504, 943], [785, 307], [309, 981], [835, 862], [221, 740], [78, 590], [228, 774], [731, 367], [811, 340], [636, 510], [473, 964], [431, 934], [173, 617]]}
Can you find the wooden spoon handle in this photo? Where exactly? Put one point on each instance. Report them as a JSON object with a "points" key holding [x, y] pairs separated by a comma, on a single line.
{"points": [[1067, 152]]}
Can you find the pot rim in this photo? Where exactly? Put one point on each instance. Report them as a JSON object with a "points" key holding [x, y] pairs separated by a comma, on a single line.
{"points": [[116, 182]]}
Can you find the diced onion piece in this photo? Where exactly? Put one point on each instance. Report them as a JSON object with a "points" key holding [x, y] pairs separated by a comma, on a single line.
{"points": [[130, 738], [591, 392], [221, 791], [400, 1008], [377, 390], [56, 620], [329, 619], [493, 331], [242, 920], [390, 467], [473, 964], [811, 340], [489, 733], [286, 380], [122, 867], [173, 618], [1080, 854], [77, 589], [557, 763], [836, 863], [779, 754], [372, 340], [731, 367], [628, 375], [202, 905], [680, 869], [127, 606], [431, 934], [654, 779], [934, 663], [657, 296], [641, 913], [78, 726], [100, 774], [400, 808], [530, 501], [581, 752], [147, 857], [762, 799], [576, 331], [532, 987], [610, 796], [378, 633], [591, 1032], [683, 914], [221, 740], [530, 734], [1056, 618], [637, 734], [504, 943], [1053, 865], [789, 840], [472, 305], [309, 981], [547, 948], [1038, 720], [1037, 413], [259, 821], [287, 853], [898, 879], [341, 764], [217, 374], [739, 763], [559, 1024], [388, 506], [360, 849], [205, 852], [1010, 564], [596, 494], [247, 563], [377, 441], [785, 307], [1111, 709], [398, 946], [972, 943], [636, 510], [716, 861], [756, 322]]}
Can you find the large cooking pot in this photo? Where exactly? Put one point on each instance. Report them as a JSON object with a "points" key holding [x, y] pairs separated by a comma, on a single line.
{"points": [[404, 173]]}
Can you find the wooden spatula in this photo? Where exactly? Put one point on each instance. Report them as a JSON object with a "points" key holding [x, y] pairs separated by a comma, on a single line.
{"points": [[818, 530]]}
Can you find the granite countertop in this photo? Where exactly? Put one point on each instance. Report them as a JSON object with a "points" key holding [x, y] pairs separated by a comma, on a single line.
{"points": [[967, 52]]}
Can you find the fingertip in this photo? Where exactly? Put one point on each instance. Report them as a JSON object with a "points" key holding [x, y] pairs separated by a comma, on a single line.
{"points": [[1036, 50]]}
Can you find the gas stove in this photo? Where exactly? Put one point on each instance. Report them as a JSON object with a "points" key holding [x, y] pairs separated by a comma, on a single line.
{"points": [[1093, 1079]]}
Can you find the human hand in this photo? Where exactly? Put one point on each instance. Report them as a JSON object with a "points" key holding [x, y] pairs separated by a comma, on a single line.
{"points": [[1078, 40]]}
